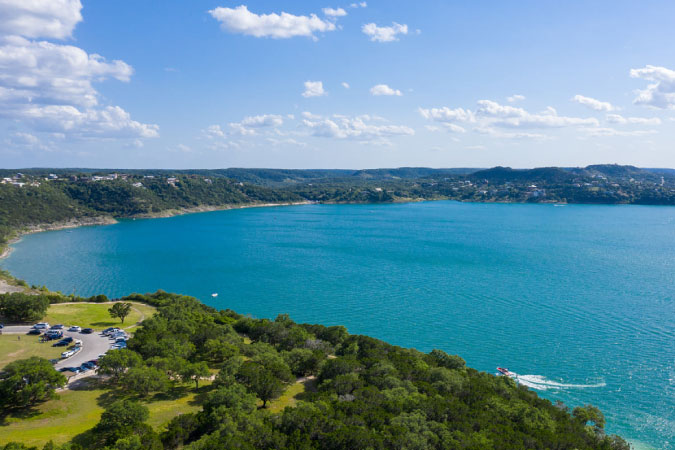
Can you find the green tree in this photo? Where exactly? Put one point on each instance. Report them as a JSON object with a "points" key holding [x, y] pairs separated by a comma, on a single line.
{"points": [[261, 381], [116, 362], [20, 307], [120, 310], [195, 372], [120, 420], [590, 413], [143, 380], [28, 381]]}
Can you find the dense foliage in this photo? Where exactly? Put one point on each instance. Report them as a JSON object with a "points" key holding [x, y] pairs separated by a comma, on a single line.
{"points": [[20, 307], [361, 393], [26, 382]]}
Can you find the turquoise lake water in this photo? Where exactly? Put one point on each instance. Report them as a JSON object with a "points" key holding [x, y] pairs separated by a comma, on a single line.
{"points": [[579, 300]]}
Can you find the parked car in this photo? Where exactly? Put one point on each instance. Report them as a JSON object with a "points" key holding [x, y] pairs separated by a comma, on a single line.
{"points": [[70, 369], [53, 361], [67, 354], [53, 334], [1, 326], [120, 339], [34, 331], [41, 326], [57, 327], [78, 343], [110, 330], [119, 345], [75, 328], [87, 330], [63, 342]]}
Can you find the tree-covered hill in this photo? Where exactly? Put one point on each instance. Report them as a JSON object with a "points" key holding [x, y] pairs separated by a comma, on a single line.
{"points": [[359, 392]]}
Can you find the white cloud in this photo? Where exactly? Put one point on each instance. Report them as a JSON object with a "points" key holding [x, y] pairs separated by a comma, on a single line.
{"points": [[276, 26], [592, 103], [515, 98], [40, 18], [384, 34], [358, 5], [383, 89], [359, 128], [491, 118], [447, 115], [509, 135], [345, 85], [240, 130], [617, 118], [313, 89], [659, 94], [214, 131], [334, 12], [610, 132], [509, 116], [264, 120], [49, 86]]}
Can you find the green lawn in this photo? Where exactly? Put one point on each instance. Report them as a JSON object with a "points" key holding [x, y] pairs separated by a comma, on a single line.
{"points": [[94, 315], [76, 411], [18, 346], [59, 420], [290, 395]]}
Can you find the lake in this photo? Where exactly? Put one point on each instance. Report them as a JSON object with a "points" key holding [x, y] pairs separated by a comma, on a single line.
{"points": [[579, 299]]}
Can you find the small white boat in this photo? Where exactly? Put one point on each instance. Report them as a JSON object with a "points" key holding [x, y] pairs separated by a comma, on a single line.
{"points": [[215, 294]]}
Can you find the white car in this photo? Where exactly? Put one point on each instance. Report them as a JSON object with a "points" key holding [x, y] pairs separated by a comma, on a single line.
{"points": [[41, 326], [67, 354], [78, 343], [75, 328]]}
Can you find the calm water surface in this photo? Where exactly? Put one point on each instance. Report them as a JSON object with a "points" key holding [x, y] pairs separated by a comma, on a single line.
{"points": [[579, 300]]}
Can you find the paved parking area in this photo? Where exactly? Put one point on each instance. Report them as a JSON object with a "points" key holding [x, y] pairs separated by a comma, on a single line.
{"points": [[93, 345]]}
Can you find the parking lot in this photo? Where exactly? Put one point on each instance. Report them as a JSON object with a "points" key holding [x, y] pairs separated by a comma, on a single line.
{"points": [[93, 345]]}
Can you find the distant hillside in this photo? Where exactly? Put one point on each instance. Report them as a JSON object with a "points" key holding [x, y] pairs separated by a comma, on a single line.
{"points": [[507, 174]]}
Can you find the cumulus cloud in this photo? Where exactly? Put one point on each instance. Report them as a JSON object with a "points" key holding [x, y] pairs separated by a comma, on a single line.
{"points": [[49, 86], [661, 92], [509, 116], [334, 12], [515, 98], [264, 120], [447, 115], [358, 5], [277, 26], [313, 89], [40, 18], [345, 85], [592, 103], [363, 128], [619, 119], [492, 118], [383, 89], [384, 34]]}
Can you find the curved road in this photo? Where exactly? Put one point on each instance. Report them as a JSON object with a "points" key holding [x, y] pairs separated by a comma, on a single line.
{"points": [[93, 345]]}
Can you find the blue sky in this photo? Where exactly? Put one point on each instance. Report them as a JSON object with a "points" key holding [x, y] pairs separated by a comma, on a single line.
{"points": [[207, 84]]}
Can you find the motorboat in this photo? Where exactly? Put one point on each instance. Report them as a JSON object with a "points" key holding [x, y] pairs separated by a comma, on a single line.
{"points": [[506, 372]]}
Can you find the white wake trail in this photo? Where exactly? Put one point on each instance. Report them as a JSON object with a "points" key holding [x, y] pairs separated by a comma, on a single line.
{"points": [[542, 383]]}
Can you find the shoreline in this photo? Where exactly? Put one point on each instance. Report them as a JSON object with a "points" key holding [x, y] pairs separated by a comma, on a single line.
{"points": [[110, 220]]}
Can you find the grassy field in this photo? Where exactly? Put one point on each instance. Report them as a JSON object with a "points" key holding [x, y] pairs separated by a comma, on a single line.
{"points": [[290, 395], [14, 346], [59, 420], [76, 411], [94, 315]]}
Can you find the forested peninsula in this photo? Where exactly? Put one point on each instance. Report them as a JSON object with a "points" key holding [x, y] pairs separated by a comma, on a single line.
{"points": [[38, 199], [272, 384]]}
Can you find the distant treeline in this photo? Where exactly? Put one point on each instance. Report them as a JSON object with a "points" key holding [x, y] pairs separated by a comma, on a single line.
{"points": [[46, 196]]}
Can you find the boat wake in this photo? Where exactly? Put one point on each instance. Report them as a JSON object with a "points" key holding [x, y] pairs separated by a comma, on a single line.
{"points": [[544, 384]]}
